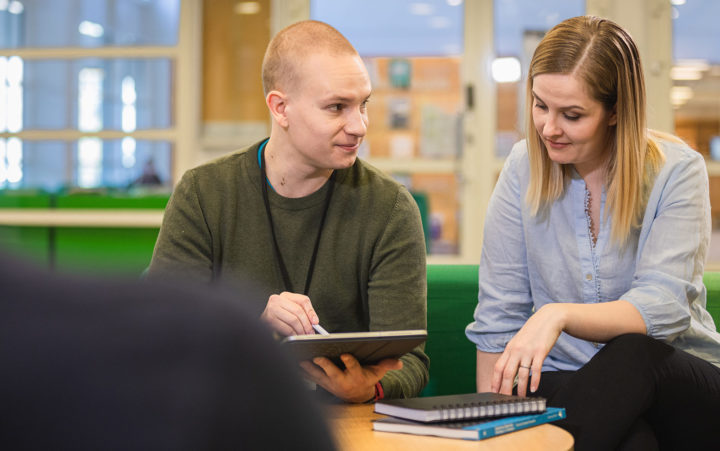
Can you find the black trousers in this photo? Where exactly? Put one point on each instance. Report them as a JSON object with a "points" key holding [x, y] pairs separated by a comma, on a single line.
{"points": [[638, 393]]}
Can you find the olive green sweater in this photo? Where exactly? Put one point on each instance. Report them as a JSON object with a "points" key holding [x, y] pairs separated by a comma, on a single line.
{"points": [[370, 268]]}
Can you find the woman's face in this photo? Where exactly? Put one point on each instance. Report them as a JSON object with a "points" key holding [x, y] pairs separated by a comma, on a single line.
{"points": [[575, 128]]}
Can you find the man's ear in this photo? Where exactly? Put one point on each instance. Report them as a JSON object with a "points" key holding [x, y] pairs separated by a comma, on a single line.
{"points": [[613, 116], [277, 104]]}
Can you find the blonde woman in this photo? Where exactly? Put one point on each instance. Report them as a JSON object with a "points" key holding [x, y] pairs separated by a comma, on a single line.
{"points": [[591, 290]]}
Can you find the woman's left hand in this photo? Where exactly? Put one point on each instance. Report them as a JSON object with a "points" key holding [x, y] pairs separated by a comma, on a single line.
{"points": [[525, 353]]}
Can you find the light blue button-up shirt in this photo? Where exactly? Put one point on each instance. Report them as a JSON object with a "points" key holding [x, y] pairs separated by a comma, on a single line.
{"points": [[530, 261]]}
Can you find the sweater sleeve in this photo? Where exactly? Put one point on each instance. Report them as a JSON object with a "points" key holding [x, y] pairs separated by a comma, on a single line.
{"points": [[184, 245], [397, 292]]}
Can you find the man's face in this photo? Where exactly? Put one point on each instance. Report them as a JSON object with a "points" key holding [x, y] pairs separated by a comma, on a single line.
{"points": [[327, 110]]}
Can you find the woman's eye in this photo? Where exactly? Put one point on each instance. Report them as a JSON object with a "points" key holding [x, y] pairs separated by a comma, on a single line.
{"points": [[571, 117], [540, 106]]}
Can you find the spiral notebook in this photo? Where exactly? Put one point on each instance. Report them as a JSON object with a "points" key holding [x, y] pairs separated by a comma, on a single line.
{"points": [[460, 407]]}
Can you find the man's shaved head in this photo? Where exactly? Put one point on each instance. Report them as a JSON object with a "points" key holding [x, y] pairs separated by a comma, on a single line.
{"points": [[292, 44]]}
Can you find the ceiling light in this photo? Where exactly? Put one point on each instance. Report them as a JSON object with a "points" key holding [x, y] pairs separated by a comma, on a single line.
{"points": [[246, 8], [92, 29], [679, 95], [685, 73], [439, 22], [698, 63], [689, 69], [506, 70], [15, 7], [421, 9]]}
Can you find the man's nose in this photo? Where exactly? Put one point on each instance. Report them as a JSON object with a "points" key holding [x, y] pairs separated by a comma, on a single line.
{"points": [[356, 122]]}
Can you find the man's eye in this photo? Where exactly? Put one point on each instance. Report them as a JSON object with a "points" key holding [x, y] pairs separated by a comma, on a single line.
{"points": [[336, 107]]}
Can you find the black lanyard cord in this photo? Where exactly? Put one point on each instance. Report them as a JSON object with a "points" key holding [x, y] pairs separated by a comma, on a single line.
{"points": [[278, 256]]}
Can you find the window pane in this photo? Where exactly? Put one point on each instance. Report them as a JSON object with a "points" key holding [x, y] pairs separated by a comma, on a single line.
{"points": [[412, 51], [88, 23], [87, 163], [695, 30], [398, 27], [695, 93], [519, 27], [235, 36], [93, 94]]}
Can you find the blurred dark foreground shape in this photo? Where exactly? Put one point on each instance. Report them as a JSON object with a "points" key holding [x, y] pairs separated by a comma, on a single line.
{"points": [[91, 364]]}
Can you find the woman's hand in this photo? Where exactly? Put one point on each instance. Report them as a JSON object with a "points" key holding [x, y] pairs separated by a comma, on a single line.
{"points": [[525, 353]]}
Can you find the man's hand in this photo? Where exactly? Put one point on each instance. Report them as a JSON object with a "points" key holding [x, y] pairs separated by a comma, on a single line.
{"points": [[354, 384], [290, 314]]}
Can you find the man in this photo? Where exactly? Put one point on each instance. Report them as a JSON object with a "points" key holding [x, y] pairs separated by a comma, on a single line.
{"points": [[335, 240], [92, 364]]}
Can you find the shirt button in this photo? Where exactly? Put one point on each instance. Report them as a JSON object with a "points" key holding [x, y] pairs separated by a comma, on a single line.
{"points": [[588, 276]]}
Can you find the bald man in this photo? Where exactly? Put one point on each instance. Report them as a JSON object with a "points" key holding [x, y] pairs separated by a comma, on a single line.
{"points": [[334, 241]]}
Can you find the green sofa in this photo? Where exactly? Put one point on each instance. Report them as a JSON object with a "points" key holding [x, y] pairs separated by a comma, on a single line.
{"points": [[452, 296]]}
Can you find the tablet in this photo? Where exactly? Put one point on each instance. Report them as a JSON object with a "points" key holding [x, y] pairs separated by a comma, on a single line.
{"points": [[367, 347]]}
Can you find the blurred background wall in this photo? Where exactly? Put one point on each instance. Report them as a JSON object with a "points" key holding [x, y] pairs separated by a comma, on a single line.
{"points": [[105, 103]]}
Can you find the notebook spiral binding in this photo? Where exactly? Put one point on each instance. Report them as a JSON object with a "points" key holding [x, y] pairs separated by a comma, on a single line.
{"points": [[497, 408]]}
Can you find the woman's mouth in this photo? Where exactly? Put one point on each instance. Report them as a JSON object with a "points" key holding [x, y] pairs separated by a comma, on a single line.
{"points": [[555, 144]]}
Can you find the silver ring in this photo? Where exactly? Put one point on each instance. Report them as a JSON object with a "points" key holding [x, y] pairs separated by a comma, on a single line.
{"points": [[526, 367]]}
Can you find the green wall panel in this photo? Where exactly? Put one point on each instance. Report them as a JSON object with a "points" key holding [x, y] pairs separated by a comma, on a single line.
{"points": [[24, 199], [93, 200], [104, 251]]}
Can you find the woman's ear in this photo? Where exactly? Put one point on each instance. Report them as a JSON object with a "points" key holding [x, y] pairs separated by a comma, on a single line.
{"points": [[277, 104], [613, 116]]}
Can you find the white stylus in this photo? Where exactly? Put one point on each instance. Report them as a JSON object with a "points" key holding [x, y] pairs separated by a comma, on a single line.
{"points": [[319, 329]]}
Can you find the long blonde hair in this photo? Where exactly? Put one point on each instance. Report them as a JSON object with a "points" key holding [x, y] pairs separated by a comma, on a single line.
{"points": [[604, 56]]}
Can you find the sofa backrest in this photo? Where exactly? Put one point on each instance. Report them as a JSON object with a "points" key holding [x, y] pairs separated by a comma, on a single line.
{"points": [[712, 283], [452, 296]]}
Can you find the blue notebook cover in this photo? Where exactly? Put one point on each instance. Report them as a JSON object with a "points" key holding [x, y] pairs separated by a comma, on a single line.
{"points": [[469, 430]]}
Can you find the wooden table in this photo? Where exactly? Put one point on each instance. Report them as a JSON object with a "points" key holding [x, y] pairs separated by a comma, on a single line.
{"points": [[351, 425]]}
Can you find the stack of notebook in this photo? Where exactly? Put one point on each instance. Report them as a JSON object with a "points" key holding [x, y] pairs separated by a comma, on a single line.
{"points": [[472, 416]]}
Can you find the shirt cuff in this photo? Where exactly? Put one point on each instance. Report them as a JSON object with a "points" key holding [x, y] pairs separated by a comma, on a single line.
{"points": [[379, 394]]}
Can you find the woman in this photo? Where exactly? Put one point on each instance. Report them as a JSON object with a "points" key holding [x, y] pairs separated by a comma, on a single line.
{"points": [[591, 290]]}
